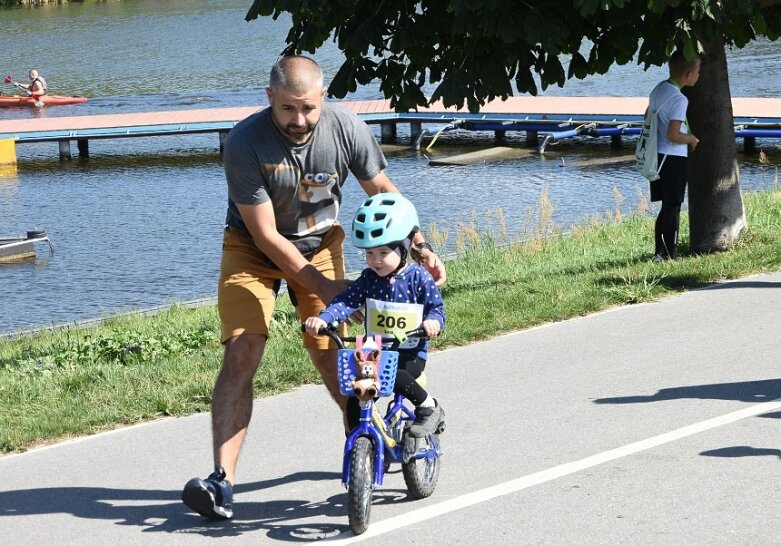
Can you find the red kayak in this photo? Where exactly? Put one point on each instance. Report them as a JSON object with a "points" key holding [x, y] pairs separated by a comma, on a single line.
{"points": [[47, 100]]}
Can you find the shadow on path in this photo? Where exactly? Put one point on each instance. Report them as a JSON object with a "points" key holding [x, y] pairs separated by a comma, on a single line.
{"points": [[162, 511], [745, 284], [742, 451], [765, 390]]}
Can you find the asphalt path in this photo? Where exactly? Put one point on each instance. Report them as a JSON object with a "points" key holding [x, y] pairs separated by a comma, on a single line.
{"points": [[651, 424]]}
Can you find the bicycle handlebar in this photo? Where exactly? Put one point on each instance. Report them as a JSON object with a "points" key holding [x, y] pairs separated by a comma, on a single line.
{"points": [[331, 332]]}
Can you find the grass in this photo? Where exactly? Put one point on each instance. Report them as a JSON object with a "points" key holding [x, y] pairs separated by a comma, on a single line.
{"points": [[73, 381]]}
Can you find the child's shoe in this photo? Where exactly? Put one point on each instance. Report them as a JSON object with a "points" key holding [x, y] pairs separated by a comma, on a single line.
{"points": [[427, 420]]}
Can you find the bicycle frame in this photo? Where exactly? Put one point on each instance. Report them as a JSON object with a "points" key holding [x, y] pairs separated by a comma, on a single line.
{"points": [[376, 441], [386, 432], [386, 435]]}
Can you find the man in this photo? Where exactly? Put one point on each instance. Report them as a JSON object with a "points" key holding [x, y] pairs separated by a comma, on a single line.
{"points": [[285, 167], [37, 86]]}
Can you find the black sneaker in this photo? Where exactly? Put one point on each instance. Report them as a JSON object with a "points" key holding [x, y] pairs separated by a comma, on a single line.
{"points": [[427, 420], [212, 497]]}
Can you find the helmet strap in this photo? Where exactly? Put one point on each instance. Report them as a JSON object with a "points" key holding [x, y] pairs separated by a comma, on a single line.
{"points": [[402, 249]]}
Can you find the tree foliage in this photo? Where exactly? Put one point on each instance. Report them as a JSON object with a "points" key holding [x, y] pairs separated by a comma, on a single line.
{"points": [[477, 50]]}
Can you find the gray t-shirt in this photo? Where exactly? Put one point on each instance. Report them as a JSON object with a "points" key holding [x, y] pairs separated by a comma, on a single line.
{"points": [[303, 182]]}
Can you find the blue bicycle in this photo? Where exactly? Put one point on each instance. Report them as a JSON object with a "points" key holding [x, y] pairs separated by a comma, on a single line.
{"points": [[378, 441]]}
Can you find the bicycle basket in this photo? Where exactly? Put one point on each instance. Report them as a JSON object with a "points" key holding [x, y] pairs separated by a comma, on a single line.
{"points": [[389, 363]]}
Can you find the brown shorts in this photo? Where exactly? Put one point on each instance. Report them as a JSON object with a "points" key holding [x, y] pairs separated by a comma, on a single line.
{"points": [[249, 284]]}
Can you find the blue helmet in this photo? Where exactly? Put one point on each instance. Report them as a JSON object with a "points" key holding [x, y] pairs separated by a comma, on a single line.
{"points": [[384, 219]]}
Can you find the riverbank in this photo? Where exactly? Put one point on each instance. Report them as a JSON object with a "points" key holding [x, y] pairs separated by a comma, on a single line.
{"points": [[74, 381]]}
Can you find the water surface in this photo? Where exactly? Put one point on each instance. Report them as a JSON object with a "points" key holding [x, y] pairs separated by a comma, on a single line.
{"points": [[139, 223]]}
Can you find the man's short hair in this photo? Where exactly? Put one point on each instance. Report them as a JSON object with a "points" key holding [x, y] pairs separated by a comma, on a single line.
{"points": [[297, 81]]}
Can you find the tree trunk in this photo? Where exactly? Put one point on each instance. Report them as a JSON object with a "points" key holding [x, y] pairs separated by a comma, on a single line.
{"points": [[716, 214]]}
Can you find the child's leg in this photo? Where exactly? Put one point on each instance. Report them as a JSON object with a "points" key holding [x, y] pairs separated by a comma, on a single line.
{"points": [[673, 177], [428, 413], [670, 224], [658, 239], [409, 370], [353, 413], [407, 386]]}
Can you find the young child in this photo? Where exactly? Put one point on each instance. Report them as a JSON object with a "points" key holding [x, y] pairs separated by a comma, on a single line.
{"points": [[674, 144], [398, 297]]}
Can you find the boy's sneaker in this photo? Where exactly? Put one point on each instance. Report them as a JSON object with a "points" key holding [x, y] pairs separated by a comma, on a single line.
{"points": [[427, 420], [212, 497]]}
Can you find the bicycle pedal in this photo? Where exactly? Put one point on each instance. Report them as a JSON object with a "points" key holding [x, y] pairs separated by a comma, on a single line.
{"points": [[411, 447]]}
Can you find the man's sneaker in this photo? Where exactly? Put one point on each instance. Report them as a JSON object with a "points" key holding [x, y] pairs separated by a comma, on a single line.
{"points": [[427, 420], [212, 497]]}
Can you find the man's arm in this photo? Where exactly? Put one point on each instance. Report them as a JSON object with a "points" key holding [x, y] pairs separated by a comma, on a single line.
{"points": [[261, 223], [347, 303], [421, 251], [379, 184]]}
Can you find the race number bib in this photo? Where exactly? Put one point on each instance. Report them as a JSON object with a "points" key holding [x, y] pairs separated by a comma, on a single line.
{"points": [[389, 318]]}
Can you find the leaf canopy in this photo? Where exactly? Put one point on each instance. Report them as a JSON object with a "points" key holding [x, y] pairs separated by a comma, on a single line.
{"points": [[473, 51]]}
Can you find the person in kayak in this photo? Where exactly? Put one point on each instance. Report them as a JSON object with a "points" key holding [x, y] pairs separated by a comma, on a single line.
{"points": [[37, 85]]}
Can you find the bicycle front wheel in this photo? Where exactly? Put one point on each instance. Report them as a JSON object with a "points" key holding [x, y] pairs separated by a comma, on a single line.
{"points": [[360, 485]]}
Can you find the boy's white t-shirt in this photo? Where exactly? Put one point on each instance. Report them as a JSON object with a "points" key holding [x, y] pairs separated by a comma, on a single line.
{"points": [[673, 107]]}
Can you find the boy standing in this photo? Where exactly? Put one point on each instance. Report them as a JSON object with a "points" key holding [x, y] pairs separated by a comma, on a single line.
{"points": [[674, 144]]}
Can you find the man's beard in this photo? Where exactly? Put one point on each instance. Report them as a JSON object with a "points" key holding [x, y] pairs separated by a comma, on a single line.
{"points": [[294, 131]]}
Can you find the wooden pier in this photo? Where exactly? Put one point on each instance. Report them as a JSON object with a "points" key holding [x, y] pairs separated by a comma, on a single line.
{"points": [[555, 117]]}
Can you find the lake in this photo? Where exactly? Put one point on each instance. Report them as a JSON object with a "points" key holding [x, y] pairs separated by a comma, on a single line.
{"points": [[138, 224]]}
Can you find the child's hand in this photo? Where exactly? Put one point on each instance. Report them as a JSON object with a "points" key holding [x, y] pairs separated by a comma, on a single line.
{"points": [[313, 325], [431, 327]]}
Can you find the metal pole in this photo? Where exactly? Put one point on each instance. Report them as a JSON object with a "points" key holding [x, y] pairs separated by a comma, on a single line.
{"points": [[83, 145], [388, 132], [65, 149]]}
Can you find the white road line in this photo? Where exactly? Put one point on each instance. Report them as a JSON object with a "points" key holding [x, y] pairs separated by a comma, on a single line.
{"points": [[518, 484]]}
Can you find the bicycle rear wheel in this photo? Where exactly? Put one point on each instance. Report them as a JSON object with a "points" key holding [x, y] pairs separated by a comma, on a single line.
{"points": [[360, 485], [421, 475]]}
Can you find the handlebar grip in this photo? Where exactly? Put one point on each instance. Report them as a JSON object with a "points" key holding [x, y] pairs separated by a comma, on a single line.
{"points": [[417, 332], [322, 331]]}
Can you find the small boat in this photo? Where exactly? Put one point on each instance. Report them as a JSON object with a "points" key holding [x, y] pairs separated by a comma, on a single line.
{"points": [[47, 100], [21, 248]]}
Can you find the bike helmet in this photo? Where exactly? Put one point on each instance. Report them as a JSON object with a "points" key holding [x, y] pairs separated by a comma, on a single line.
{"points": [[383, 220]]}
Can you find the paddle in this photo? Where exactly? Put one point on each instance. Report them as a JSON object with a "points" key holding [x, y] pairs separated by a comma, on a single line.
{"points": [[10, 79], [36, 100]]}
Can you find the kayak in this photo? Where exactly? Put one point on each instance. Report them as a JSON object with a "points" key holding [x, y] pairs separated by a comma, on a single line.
{"points": [[48, 100]]}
